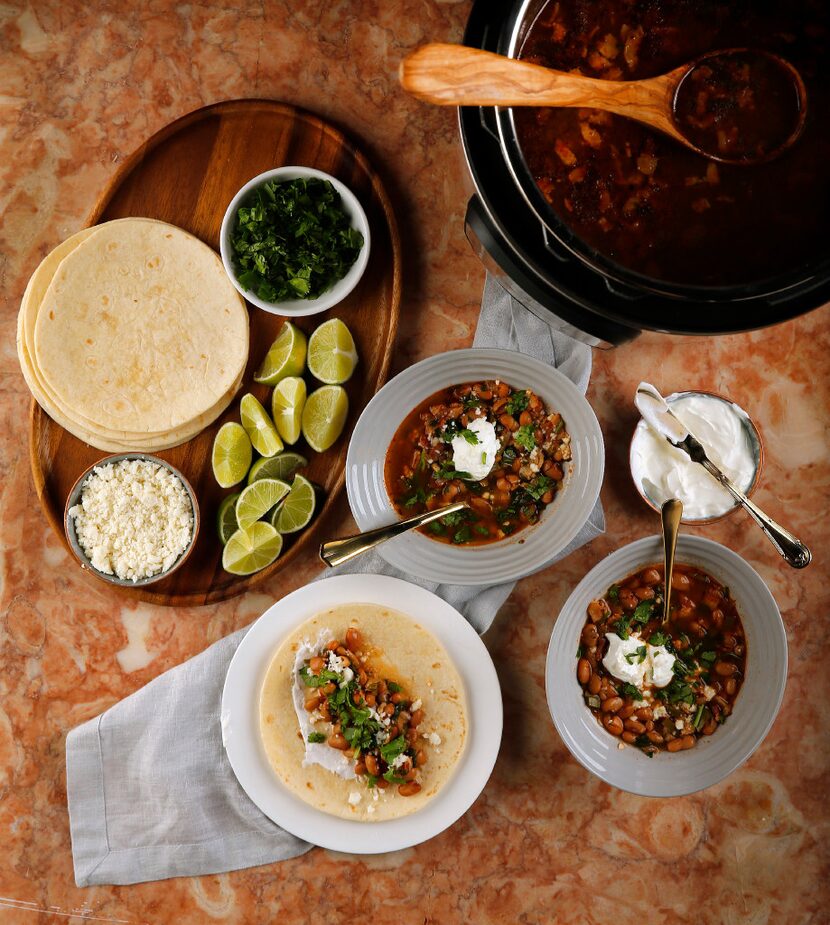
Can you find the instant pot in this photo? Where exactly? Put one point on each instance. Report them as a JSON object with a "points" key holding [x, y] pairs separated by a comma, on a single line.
{"points": [[563, 280]]}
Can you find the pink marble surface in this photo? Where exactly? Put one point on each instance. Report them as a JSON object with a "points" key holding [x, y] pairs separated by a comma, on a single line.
{"points": [[81, 85]]}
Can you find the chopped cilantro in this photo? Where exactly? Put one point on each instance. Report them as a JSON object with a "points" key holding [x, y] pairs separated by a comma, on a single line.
{"points": [[394, 687], [315, 737], [538, 487], [639, 653], [658, 639], [483, 457], [435, 526], [462, 535], [393, 778], [317, 680], [481, 530], [293, 240], [524, 437], [508, 454], [390, 751], [517, 403], [642, 612], [708, 657], [630, 690], [614, 593]]}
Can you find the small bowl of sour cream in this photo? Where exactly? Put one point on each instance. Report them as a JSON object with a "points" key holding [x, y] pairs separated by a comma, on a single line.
{"points": [[661, 471]]}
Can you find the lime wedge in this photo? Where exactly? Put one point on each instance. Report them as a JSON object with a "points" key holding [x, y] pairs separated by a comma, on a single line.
{"points": [[287, 402], [286, 356], [248, 551], [332, 355], [324, 416], [232, 454], [258, 498], [226, 522], [298, 508], [282, 466], [259, 427]]}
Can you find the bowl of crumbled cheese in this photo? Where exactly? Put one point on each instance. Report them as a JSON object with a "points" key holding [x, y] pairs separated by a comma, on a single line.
{"points": [[131, 519]]}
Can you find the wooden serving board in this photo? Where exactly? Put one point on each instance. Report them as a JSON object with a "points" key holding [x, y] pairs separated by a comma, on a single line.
{"points": [[187, 174]]}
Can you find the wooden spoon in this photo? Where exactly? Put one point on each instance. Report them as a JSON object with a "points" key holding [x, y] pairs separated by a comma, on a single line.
{"points": [[454, 75]]}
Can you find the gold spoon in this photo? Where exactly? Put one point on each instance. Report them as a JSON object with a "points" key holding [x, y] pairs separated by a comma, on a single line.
{"points": [[454, 75], [670, 513], [336, 552]]}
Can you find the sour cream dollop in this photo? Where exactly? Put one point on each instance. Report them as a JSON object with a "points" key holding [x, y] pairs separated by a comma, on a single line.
{"points": [[662, 471], [476, 458], [654, 670]]}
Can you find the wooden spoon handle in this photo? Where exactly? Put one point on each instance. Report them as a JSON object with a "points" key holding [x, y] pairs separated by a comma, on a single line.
{"points": [[454, 75]]}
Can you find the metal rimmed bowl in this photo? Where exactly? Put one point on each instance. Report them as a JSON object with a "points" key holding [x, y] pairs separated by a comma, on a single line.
{"points": [[756, 706], [527, 551], [331, 297], [76, 548], [756, 445]]}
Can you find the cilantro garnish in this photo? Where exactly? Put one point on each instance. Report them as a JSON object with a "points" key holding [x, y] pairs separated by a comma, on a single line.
{"points": [[639, 654], [463, 535], [658, 639], [517, 403], [642, 612], [630, 690], [316, 737], [708, 657], [317, 680], [393, 778], [394, 687], [524, 437], [614, 593], [538, 487], [293, 240], [390, 751]]}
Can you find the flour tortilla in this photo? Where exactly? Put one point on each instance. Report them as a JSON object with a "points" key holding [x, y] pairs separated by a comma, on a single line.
{"points": [[401, 650], [140, 332]]}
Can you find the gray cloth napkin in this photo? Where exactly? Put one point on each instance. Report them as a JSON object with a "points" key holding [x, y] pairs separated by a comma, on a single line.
{"points": [[150, 790]]}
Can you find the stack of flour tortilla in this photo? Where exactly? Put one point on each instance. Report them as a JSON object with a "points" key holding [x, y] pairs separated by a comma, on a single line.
{"points": [[131, 336]]}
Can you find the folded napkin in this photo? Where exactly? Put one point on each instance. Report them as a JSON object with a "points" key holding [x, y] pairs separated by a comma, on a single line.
{"points": [[150, 790]]}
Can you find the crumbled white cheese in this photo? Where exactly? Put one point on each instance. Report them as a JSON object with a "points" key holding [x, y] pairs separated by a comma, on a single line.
{"points": [[370, 809], [476, 458], [134, 519], [354, 798], [336, 663], [433, 737], [659, 711], [348, 675], [416, 705], [400, 761], [678, 724], [708, 692]]}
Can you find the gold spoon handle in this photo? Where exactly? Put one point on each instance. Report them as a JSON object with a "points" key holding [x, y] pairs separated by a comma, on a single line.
{"points": [[670, 513], [336, 552]]}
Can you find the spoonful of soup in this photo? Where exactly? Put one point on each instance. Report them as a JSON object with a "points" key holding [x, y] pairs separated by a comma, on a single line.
{"points": [[735, 106]]}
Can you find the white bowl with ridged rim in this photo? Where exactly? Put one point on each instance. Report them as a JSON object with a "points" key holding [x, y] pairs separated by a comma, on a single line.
{"points": [[756, 706], [515, 556], [338, 290]]}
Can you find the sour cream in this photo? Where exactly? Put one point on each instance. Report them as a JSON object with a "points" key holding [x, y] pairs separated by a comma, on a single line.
{"points": [[663, 471], [476, 458], [652, 668], [332, 759]]}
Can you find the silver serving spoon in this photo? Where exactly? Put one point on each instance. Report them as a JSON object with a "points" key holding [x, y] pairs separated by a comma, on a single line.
{"points": [[657, 413], [336, 552], [670, 513]]}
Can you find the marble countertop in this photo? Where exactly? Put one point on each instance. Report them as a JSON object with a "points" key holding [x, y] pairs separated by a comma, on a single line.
{"points": [[83, 84]]}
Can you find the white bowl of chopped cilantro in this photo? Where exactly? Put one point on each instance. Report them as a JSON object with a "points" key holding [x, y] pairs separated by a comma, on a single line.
{"points": [[295, 241]]}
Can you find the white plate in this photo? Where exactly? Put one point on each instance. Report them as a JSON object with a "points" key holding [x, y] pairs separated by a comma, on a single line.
{"points": [[295, 308], [528, 550], [240, 715], [756, 706]]}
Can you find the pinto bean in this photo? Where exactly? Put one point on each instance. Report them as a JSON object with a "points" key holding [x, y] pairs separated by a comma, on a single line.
{"points": [[626, 711], [612, 704], [525, 418], [583, 671], [680, 581], [651, 577], [709, 728], [629, 737], [628, 599], [331, 646], [613, 724], [398, 697], [409, 789], [731, 686], [372, 765], [594, 684], [312, 702], [508, 421], [725, 669], [598, 609], [338, 741], [654, 737], [590, 635], [420, 758], [633, 725], [360, 768], [317, 664], [353, 638], [416, 719]]}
